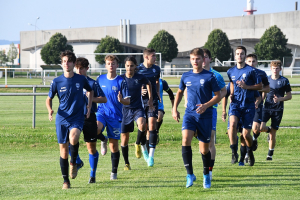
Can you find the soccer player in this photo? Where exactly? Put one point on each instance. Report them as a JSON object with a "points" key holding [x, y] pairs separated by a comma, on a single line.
{"points": [[243, 149], [273, 108], [163, 86], [109, 115], [200, 85], [70, 115], [90, 124], [243, 83], [251, 60], [134, 111], [152, 72]]}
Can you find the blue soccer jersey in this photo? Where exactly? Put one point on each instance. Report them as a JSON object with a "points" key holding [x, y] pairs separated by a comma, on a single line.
{"points": [[256, 93], [278, 87], [152, 74], [220, 80], [264, 79], [97, 93], [71, 101], [112, 108], [134, 85], [163, 86], [243, 97], [200, 87]]}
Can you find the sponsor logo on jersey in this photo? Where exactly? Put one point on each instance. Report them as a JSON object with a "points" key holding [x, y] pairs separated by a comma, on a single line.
{"points": [[103, 86], [188, 83], [63, 89], [77, 85], [233, 78], [244, 76], [202, 81]]}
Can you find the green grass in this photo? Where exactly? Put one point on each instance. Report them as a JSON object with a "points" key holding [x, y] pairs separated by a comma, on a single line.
{"points": [[30, 169]]}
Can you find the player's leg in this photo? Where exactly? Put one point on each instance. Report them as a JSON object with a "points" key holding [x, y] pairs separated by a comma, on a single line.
{"points": [[275, 122], [256, 126], [141, 123], [74, 146], [125, 149], [212, 147], [159, 122], [152, 139], [187, 136], [243, 150], [79, 162], [101, 123], [113, 133], [93, 160], [232, 134], [248, 140]]}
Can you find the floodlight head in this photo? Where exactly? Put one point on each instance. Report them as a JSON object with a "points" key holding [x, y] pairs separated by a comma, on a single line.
{"points": [[38, 18], [29, 24]]}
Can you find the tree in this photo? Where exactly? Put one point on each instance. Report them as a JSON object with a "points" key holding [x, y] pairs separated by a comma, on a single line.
{"points": [[272, 45], [12, 53], [164, 43], [108, 45], [3, 57], [50, 53], [218, 45]]}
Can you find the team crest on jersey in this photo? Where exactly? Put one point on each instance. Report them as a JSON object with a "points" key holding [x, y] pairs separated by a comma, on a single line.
{"points": [[202, 81], [114, 88], [244, 76], [279, 82], [136, 81], [154, 70], [78, 86]]}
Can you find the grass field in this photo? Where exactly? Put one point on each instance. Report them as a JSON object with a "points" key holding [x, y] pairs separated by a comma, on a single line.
{"points": [[30, 168]]}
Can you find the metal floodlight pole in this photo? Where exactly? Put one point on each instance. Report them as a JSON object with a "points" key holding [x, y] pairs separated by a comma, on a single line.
{"points": [[35, 41], [241, 30]]}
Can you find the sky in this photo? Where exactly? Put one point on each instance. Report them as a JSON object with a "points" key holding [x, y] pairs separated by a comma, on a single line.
{"points": [[62, 14]]}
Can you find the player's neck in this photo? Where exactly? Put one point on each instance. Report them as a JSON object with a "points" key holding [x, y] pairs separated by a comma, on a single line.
{"points": [[147, 65], [207, 67], [240, 65], [69, 74], [111, 75], [275, 76], [198, 70], [129, 75]]}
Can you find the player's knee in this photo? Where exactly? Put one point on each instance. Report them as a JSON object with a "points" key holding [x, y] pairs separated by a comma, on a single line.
{"points": [[204, 151]]}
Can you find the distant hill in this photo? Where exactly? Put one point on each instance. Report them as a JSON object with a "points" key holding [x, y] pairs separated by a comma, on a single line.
{"points": [[4, 42]]}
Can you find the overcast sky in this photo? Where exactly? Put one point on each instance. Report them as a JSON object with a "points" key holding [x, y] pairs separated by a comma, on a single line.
{"points": [[62, 14]]}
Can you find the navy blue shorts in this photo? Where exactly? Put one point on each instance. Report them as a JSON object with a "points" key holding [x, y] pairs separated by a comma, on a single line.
{"points": [[258, 114], [113, 127], [151, 113], [90, 128], [244, 114], [129, 116], [275, 117], [63, 129], [202, 125]]}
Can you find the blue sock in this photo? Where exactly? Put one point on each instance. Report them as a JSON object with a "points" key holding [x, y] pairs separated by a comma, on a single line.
{"points": [[93, 163], [78, 160]]}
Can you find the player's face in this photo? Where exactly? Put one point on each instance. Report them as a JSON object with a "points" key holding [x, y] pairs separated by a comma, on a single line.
{"points": [[240, 55], [130, 68], [111, 65], [206, 61], [251, 61], [67, 65], [81, 70], [196, 61], [275, 70], [151, 58]]}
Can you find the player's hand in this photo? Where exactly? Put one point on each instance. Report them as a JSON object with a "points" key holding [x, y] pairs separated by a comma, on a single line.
{"points": [[256, 104], [231, 97], [275, 99], [176, 115], [201, 108], [224, 115], [185, 104], [88, 113], [241, 84], [144, 92], [120, 97], [50, 115], [87, 94]]}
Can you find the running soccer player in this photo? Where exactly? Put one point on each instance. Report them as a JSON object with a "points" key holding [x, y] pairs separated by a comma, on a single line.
{"points": [[134, 111], [163, 86], [109, 115], [70, 115], [273, 108], [200, 85], [251, 60], [243, 148], [90, 124], [152, 72], [243, 83]]}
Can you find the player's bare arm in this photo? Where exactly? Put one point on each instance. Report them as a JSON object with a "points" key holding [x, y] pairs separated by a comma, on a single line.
{"points": [[175, 113], [257, 101], [89, 106], [158, 89], [223, 92], [243, 85], [49, 108], [224, 105], [123, 101], [287, 97], [150, 101], [202, 107]]}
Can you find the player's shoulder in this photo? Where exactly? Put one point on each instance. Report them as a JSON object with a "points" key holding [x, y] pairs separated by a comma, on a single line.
{"points": [[188, 73], [232, 69], [123, 76], [284, 79], [216, 73]]}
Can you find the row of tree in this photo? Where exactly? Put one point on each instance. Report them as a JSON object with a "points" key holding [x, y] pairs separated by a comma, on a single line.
{"points": [[11, 55], [272, 45]]}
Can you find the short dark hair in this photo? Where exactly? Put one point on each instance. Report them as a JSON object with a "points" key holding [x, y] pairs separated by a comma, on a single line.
{"points": [[251, 55], [71, 56], [243, 48], [197, 52], [111, 58], [148, 51], [132, 59], [207, 53], [276, 63], [82, 62]]}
